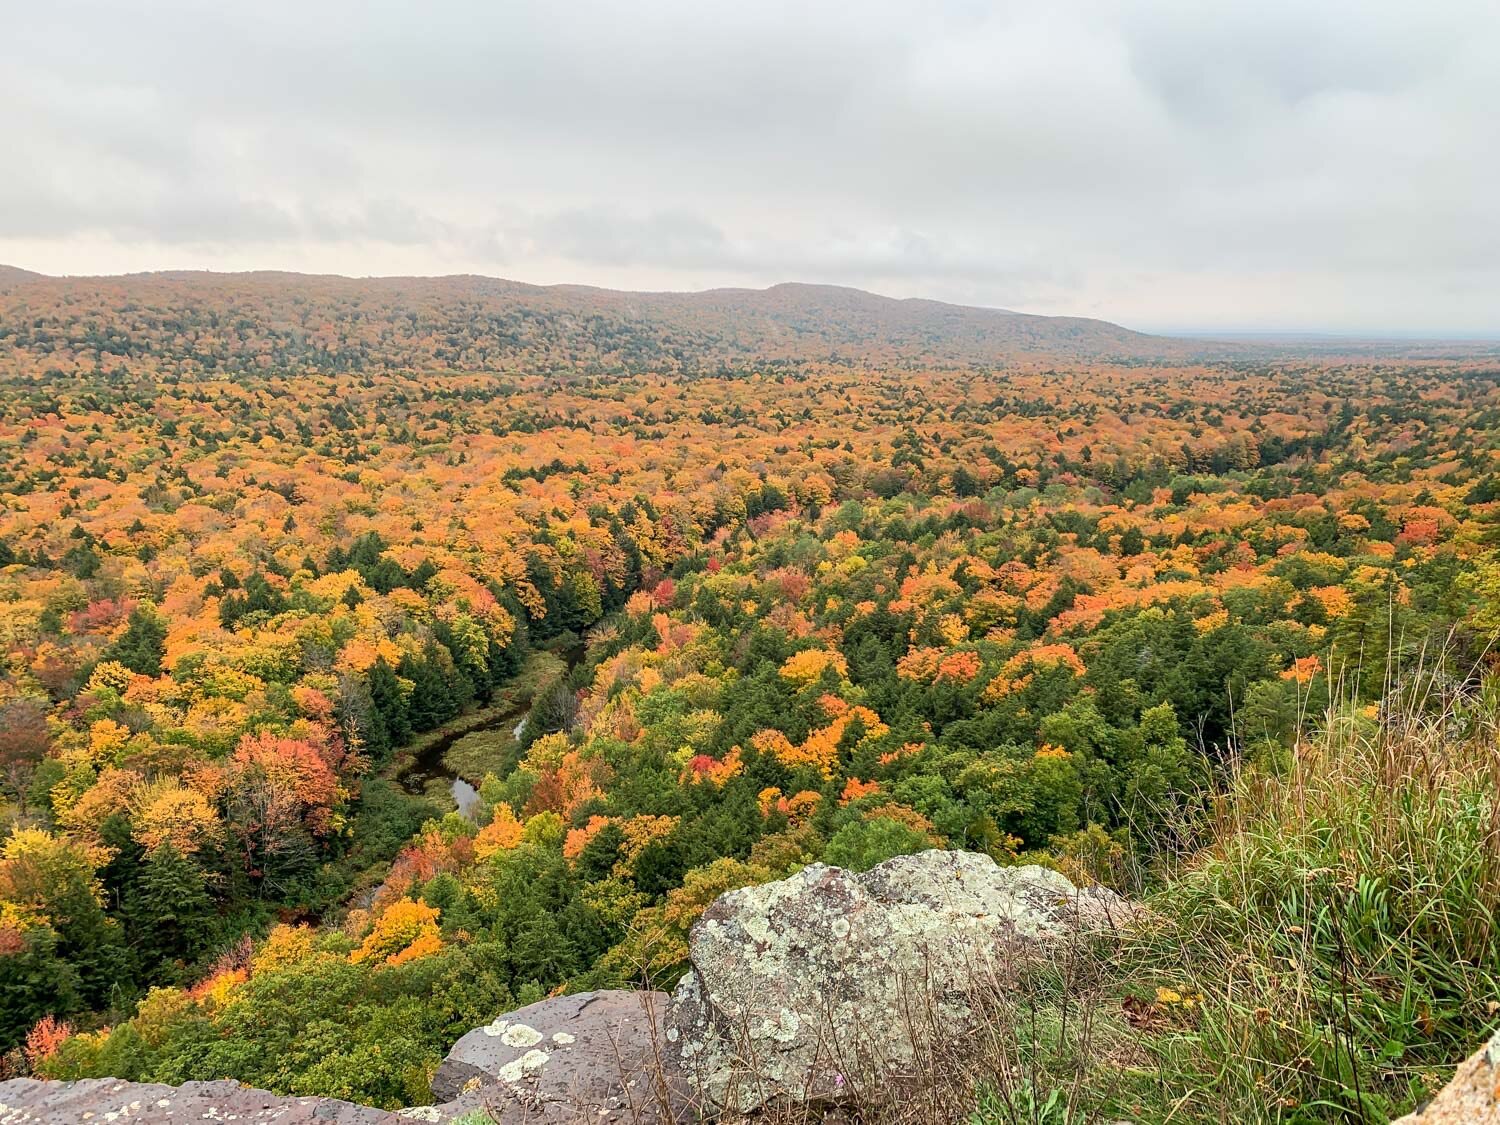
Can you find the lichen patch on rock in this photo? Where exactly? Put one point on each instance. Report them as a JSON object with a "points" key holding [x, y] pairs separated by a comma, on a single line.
{"points": [[797, 985]]}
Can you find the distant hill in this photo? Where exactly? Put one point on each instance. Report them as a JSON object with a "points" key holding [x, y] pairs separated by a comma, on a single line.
{"points": [[11, 275], [210, 321], [852, 322]]}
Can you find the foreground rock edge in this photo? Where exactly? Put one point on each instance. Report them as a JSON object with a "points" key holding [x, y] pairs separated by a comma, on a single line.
{"points": [[776, 971], [1471, 1097], [595, 1055], [30, 1101]]}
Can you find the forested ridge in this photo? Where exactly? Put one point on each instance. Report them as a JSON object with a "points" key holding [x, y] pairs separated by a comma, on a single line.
{"points": [[228, 323], [856, 597]]}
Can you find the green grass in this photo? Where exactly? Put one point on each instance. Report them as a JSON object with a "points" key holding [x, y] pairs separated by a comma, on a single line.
{"points": [[540, 669], [1333, 949], [482, 752]]}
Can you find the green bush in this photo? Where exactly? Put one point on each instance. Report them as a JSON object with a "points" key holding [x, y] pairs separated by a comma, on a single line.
{"points": [[861, 844]]}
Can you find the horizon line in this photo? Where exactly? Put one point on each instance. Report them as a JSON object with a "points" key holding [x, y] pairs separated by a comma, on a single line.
{"points": [[1229, 333]]}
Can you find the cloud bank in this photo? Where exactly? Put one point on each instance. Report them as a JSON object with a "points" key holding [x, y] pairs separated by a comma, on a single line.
{"points": [[1166, 164]]}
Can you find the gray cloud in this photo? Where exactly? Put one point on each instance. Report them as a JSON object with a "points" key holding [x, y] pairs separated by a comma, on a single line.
{"points": [[1159, 162]]}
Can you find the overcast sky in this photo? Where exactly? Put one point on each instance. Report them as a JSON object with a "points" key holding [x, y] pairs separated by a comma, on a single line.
{"points": [[1309, 164]]}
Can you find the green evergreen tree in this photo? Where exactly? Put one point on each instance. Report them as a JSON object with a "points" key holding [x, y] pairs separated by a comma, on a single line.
{"points": [[144, 642], [390, 703], [36, 980], [168, 914]]}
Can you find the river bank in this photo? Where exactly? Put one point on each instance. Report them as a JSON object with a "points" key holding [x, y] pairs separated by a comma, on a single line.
{"points": [[447, 765], [445, 768]]}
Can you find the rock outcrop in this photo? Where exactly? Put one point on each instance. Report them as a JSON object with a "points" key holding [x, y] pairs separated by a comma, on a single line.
{"points": [[802, 990], [592, 1056], [27, 1101], [799, 991], [1471, 1098]]}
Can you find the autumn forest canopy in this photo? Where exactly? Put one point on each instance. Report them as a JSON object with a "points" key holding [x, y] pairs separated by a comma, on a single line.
{"points": [[689, 590]]}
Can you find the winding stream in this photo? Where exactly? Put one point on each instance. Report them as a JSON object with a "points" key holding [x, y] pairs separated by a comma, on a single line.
{"points": [[428, 764]]}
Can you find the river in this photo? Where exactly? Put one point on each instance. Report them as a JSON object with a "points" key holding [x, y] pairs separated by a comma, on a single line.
{"points": [[428, 764]]}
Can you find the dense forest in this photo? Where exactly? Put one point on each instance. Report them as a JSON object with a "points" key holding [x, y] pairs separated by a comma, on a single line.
{"points": [[855, 600]]}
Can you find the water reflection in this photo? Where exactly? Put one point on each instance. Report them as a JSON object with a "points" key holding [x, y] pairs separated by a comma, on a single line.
{"points": [[465, 796]]}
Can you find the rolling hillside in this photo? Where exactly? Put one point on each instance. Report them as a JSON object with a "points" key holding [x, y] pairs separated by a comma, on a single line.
{"points": [[226, 322]]}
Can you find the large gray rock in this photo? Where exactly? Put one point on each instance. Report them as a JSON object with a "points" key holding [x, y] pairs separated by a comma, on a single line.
{"points": [[27, 1101], [1473, 1095], [593, 1056], [805, 989]]}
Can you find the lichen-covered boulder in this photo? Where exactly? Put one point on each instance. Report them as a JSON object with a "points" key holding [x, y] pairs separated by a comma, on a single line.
{"points": [[29, 1101], [1471, 1098], [803, 989], [592, 1056]]}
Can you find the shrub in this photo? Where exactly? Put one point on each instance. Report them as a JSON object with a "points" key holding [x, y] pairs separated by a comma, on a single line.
{"points": [[861, 844]]}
